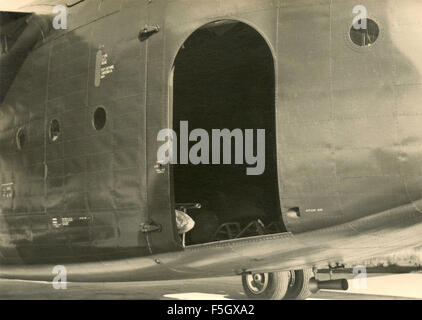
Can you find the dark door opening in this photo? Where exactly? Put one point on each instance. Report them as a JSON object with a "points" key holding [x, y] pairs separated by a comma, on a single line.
{"points": [[224, 79]]}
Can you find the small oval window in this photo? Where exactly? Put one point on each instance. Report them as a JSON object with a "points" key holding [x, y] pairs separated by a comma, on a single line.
{"points": [[364, 34], [54, 130], [100, 118], [21, 138]]}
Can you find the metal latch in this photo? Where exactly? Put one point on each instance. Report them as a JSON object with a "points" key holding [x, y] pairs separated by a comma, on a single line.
{"points": [[148, 227], [148, 31]]}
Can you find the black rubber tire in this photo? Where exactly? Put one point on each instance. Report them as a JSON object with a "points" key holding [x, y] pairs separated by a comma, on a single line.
{"points": [[278, 283], [300, 290]]}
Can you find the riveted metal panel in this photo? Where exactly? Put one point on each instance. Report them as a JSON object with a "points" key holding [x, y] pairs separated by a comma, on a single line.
{"points": [[116, 159], [341, 136]]}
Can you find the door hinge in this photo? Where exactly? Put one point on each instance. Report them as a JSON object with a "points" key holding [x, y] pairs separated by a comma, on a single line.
{"points": [[148, 31], [149, 227]]}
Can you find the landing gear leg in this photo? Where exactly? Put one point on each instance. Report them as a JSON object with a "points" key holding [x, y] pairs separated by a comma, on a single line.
{"points": [[266, 286], [299, 286]]}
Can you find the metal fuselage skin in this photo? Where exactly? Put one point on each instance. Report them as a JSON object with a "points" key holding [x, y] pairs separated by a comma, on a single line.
{"points": [[348, 123]]}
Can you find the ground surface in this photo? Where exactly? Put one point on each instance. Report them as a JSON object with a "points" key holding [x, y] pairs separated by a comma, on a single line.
{"points": [[378, 286]]}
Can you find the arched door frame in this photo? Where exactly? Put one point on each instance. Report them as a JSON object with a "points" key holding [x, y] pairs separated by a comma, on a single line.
{"points": [[171, 71]]}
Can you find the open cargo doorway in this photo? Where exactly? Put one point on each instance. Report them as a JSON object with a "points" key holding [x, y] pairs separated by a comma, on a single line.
{"points": [[224, 78]]}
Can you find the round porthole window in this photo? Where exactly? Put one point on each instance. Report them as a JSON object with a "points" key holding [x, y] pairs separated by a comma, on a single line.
{"points": [[54, 130], [100, 118], [364, 34], [21, 138]]}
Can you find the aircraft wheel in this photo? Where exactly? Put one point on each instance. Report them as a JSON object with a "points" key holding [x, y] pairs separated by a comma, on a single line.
{"points": [[299, 288], [266, 286]]}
